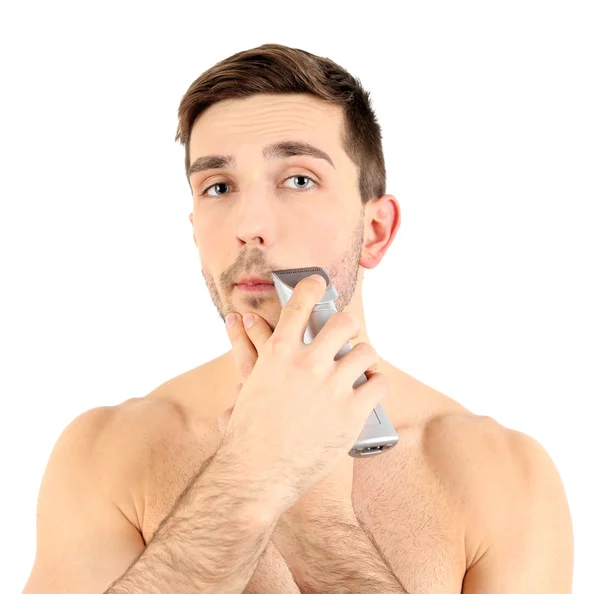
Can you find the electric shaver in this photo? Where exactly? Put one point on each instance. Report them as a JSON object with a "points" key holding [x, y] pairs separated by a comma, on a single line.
{"points": [[378, 435]]}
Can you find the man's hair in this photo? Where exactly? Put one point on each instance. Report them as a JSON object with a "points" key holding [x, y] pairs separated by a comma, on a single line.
{"points": [[274, 69]]}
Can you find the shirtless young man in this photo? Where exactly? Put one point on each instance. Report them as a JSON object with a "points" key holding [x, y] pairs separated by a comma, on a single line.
{"points": [[234, 476]]}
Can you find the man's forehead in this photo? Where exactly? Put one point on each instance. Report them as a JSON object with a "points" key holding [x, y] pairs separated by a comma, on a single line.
{"points": [[272, 128], [297, 115], [294, 103]]}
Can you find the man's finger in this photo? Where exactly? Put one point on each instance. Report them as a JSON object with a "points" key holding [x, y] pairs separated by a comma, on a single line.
{"points": [[257, 329], [244, 353], [247, 341], [295, 313]]}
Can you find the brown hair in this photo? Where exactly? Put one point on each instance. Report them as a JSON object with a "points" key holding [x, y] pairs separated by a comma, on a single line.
{"points": [[277, 69]]}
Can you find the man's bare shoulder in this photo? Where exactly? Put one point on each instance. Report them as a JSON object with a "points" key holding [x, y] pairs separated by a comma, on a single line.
{"points": [[132, 441], [496, 474], [469, 446], [151, 428]]}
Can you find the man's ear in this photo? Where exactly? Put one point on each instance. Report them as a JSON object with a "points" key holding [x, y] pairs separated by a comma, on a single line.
{"points": [[383, 218]]}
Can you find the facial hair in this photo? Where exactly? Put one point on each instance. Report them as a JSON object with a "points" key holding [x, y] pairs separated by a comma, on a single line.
{"points": [[343, 272]]}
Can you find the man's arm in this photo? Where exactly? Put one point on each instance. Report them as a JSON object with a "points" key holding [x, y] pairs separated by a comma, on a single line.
{"points": [[338, 555], [210, 542], [529, 545]]}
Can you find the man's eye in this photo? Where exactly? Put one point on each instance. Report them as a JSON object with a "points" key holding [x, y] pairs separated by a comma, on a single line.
{"points": [[205, 193], [299, 177], [303, 177]]}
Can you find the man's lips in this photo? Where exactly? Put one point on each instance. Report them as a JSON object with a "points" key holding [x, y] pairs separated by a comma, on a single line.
{"points": [[255, 288], [254, 284], [255, 281]]}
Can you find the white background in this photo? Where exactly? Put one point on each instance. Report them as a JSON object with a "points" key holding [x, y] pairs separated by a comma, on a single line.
{"points": [[490, 117]]}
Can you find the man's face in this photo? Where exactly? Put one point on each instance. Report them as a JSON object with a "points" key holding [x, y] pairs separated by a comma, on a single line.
{"points": [[258, 218]]}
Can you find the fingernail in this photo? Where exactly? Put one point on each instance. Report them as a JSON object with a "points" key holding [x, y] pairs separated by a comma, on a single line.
{"points": [[318, 277], [230, 320], [248, 320]]}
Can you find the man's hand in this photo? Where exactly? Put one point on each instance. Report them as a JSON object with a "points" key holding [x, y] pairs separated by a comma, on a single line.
{"points": [[332, 497]]}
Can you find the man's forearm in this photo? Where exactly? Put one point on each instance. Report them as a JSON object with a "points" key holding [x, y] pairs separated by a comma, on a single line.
{"points": [[340, 557], [210, 542]]}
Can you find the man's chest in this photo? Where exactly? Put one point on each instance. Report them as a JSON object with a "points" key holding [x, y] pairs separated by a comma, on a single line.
{"points": [[406, 508]]}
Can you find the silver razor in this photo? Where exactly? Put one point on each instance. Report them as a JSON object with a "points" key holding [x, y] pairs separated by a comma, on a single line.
{"points": [[378, 435]]}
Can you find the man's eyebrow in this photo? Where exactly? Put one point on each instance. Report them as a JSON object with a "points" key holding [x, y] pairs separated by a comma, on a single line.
{"points": [[278, 150]]}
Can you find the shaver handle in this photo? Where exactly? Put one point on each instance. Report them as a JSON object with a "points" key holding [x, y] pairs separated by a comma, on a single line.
{"points": [[378, 434], [317, 319]]}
